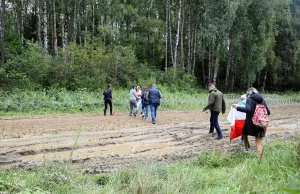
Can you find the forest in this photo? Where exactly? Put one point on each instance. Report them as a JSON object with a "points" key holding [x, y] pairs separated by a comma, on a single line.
{"points": [[179, 44]]}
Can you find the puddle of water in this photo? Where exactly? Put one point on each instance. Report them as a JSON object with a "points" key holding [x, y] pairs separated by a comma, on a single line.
{"points": [[104, 151]]}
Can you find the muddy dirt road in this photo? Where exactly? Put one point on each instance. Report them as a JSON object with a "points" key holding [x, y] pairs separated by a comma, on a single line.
{"points": [[95, 143]]}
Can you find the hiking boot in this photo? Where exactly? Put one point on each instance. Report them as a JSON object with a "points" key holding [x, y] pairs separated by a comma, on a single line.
{"points": [[219, 138], [247, 150], [153, 123], [134, 114]]}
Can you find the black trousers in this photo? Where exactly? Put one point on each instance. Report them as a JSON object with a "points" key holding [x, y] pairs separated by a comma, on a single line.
{"points": [[107, 102]]}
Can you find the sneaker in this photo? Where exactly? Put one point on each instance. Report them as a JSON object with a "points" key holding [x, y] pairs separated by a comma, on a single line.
{"points": [[210, 132], [245, 150], [219, 138], [143, 116], [134, 114], [153, 123], [241, 142]]}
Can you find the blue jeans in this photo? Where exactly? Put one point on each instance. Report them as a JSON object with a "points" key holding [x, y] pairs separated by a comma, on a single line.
{"points": [[214, 123], [153, 108], [145, 110]]}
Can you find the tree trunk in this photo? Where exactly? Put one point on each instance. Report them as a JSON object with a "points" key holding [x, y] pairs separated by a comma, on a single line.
{"points": [[39, 27], [181, 40], [228, 68], [170, 32], [216, 68], [194, 50], [166, 37], [93, 21], [55, 50], [16, 20], [75, 25], [22, 22], [65, 35], [209, 63], [86, 24], [177, 36], [202, 58], [189, 41], [2, 26], [45, 27], [264, 82]]}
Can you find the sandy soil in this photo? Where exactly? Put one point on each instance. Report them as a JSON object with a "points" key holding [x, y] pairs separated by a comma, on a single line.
{"points": [[95, 143]]}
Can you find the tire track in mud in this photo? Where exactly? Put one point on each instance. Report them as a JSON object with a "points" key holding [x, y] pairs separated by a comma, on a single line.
{"points": [[104, 151]]}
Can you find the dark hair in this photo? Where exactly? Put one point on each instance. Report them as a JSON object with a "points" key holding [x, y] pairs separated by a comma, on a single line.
{"points": [[133, 86], [109, 85]]}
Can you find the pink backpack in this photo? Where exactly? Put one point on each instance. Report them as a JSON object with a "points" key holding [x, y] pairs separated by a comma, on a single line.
{"points": [[260, 117]]}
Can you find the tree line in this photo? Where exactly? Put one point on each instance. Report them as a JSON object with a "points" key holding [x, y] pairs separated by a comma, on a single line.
{"points": [[179, 43]]}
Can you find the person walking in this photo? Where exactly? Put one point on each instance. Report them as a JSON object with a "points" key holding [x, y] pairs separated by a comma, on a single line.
{"points": [[216, 104], [108, 99], [145, 102], [242, 102], [154, 97], [133, 101], [139, 99], [253, 98]]}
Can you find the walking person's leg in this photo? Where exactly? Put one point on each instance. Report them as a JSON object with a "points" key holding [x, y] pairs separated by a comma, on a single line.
{"points": [[110, 107], [135, 108], [146, 111], [217, 126], [105, 107], [259, 148], [131, 107], [152, 108], [212, 125], [246, 143]]}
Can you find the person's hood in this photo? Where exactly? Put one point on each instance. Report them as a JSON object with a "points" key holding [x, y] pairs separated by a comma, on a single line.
{"points": [[213, 90], [257, 98]]}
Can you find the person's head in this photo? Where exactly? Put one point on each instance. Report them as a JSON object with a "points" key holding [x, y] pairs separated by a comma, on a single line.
{"points": [[109, 86], [153, 85], [243, 97], [138, 88], [133, 87], [211, 86], [144, 87], [251, 91]]}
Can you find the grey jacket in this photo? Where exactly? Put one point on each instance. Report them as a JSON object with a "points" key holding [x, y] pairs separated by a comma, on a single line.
{"points": [[133, 95]]}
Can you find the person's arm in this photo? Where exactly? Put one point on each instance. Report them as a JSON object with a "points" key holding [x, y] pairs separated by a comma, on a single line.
{"points": [[135, 94], [111, 96], [245, 109], [160, 95], [223, 105], [212, 99], [268, 110]]}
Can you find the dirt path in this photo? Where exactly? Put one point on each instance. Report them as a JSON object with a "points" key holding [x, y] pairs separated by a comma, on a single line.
{"points": [[100, 144]]}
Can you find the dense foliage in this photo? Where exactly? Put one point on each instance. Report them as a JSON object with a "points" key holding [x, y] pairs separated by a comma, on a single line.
{"points": [[178, 43]]}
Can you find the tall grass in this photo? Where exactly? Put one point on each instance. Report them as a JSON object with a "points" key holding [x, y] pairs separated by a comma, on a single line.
{"points": [[62, 101], [211, 172]]}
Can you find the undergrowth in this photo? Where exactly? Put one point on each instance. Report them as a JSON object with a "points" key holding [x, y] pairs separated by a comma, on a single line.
{"points": [[211, 172]]}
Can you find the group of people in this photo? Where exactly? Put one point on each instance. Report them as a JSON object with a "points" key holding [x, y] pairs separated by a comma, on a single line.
{"points": [[138, 99], [143, 99], [248, 104]]}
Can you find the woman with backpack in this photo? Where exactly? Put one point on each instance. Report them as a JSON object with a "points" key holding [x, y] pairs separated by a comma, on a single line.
{"points": [[145, 102], [255, 107]]}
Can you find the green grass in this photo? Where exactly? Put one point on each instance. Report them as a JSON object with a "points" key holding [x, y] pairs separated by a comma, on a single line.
{"points": [[211, 172], [62, 101]]}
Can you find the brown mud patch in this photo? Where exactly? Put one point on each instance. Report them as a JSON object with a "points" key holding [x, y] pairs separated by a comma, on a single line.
{"points": [[95, 143]]}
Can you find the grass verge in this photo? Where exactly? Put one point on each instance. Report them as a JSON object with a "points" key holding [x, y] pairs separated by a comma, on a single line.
{"points": [[211, 172]]}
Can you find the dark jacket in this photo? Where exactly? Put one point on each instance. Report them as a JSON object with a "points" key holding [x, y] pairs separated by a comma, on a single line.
{"points": [[216, 101], [154, 96], [145, 99], [249, 109], [107, 94]]}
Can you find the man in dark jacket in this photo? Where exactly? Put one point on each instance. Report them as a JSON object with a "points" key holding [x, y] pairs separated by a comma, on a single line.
{"points": [[108, 99], [216, 104], [253, 99], [154, 96]]}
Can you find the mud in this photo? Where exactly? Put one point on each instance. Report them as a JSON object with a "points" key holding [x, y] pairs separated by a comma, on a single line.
{"points": [[95, 143]]}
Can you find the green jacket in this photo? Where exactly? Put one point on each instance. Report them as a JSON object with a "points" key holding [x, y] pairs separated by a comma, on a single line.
{"points": [[216, 101]]}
